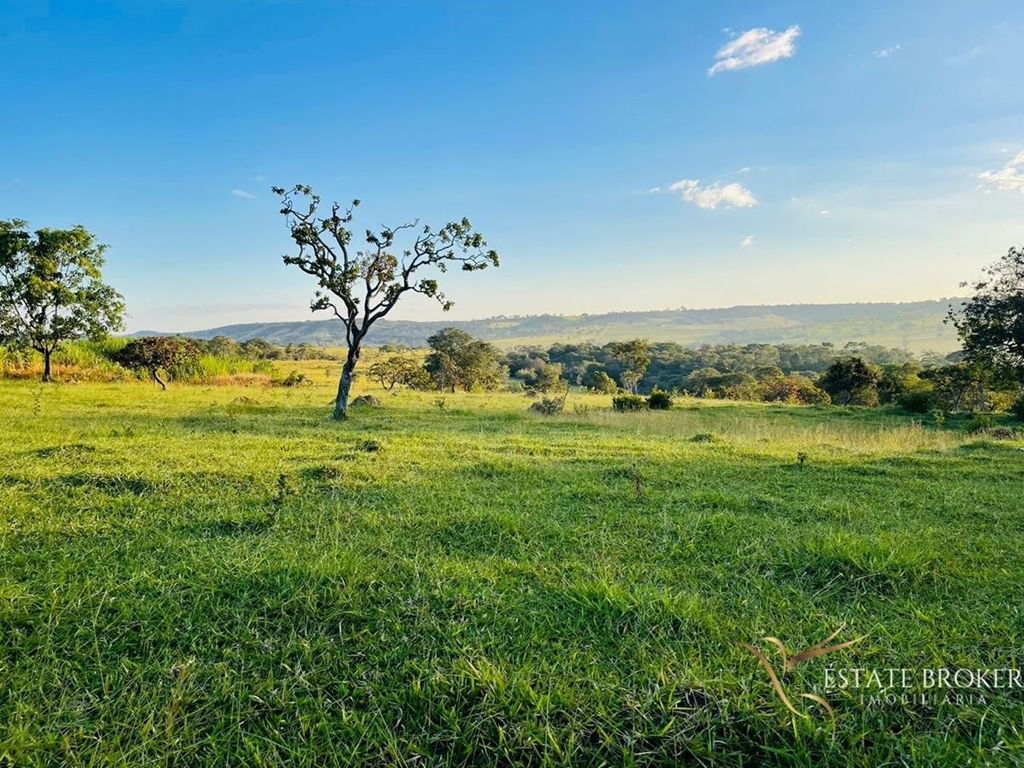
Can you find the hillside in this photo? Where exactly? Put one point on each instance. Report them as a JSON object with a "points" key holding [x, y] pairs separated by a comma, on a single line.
{"points": [[917, 326]]}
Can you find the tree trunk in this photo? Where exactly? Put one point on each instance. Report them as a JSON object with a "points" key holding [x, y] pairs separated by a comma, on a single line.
{"points": [[46, 365], [158, 380], [345, 384]]}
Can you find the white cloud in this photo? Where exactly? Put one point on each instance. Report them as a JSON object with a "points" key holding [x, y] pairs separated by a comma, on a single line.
{"points": [[261, 178], [754, 47], [715, 195], [745, 169], [242, 193], [748, 240], [885, 53], [1007, 178], [653, 190], [826, 213]]}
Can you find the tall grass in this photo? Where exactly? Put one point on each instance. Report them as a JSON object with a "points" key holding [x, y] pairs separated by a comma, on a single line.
{"points": [[83, 360]]}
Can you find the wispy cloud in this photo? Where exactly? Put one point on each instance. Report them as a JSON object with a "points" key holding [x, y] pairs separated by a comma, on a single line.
{"points": [[261, 178], [826, 213], [965, 57], [242, 193], [748, 240], [653, 190], [885, 53], [755, 47], [745, 169], [712, 196], [1009, 177]]}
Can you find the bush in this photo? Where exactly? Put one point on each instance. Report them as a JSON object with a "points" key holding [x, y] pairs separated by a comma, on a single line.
{"points": [[979, 422], [659, 400], [549, 406], [296, 379], [706, 437], [367, 400], [918, 401], [626, 402]]}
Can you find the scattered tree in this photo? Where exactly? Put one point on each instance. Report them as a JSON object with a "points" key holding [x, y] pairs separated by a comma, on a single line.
{"points": [[634, 358], [223, 346], [603, 384], [158, 353], [360, 287], [991, 323], [394, 371], [51, 289], [851, 382], [549, 378], [459, 360]]}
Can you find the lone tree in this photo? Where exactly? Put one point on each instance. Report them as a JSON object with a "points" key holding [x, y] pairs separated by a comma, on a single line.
{"points": [[51, 291], [362, 286], [158, 353], [634, 358], [991, 323]]}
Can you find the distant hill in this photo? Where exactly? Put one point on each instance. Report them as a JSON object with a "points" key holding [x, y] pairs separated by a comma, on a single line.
{"points": [[916, 326]]}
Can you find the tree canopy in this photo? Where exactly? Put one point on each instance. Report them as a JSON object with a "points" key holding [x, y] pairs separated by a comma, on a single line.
{"points": [[158, 353], [991, 323], [459, 360], [362, 286], [634, 358], [51, 289]]}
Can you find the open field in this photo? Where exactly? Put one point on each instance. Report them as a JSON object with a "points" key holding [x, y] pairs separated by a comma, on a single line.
{"points": [[221, 575]]}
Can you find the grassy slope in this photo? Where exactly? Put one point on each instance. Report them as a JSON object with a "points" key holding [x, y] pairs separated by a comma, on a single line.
{"points": [[223, 576]]}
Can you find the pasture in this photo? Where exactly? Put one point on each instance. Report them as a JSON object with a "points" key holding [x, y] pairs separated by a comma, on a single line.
{"points": [[221, 575]]}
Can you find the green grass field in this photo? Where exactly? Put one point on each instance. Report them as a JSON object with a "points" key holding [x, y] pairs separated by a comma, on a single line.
{"points": [[223, 576]]}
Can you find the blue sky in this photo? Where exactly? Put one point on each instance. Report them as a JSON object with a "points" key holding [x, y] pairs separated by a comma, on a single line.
{"points": [[620, 156]]}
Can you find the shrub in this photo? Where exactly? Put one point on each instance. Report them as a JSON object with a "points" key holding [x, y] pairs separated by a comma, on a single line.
{"points": [[706, 437], [979, 422], [627, 402], [549, 406], [296, 379], [659, 400], [367, 400], [918, 401]]}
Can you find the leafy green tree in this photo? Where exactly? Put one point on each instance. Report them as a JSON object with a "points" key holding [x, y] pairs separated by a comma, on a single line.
{"points": [[396, 370], [851, 381], [961, 386], [158, 353], [634, 358], [603, 384], [362, 286], [51, 289], [459, 360], [259, 349], [549, 378], [991, 323], [223, 346]]}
